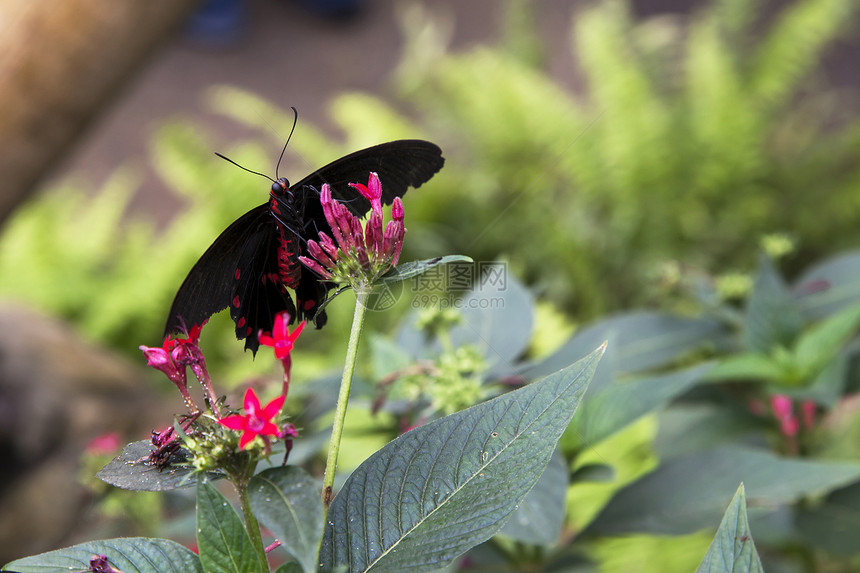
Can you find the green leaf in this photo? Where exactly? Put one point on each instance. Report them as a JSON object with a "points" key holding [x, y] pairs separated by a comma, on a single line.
{"points": [[415, 268], [442, 488], [772, 316], [748, 366], [640, 341], [829, 385], [131, 470], [128, 554], [687, 428], [291, 567], [623, 402], [287, 501], [793, 47], [830, 286], [593, 473], [733, 549], [498, 319], [540, 516], [387, 357], [832, 524], [224, 544], [685, 493], [819, 344]]}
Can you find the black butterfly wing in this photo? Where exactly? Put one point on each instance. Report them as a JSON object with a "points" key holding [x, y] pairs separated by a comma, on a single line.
{"points": [[259, 293], [310, 294], [400, 165], [209, 285]]}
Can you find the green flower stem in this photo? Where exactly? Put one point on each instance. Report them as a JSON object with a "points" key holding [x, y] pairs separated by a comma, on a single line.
{"points": [[361, 297], [251, 524]]}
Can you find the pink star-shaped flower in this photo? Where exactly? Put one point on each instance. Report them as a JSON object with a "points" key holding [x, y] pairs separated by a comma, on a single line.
{"points": [[281, 339], [372, 191], [257, 421]]}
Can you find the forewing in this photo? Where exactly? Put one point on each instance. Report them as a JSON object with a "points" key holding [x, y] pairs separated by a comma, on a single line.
{"points": [[400, 165], [209, 285]]}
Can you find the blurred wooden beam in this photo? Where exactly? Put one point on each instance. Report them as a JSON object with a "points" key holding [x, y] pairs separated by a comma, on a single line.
{"points": [[61, 63]]}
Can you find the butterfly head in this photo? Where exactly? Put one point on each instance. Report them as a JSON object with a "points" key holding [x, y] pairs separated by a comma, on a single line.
{"points": [[280, 187]]}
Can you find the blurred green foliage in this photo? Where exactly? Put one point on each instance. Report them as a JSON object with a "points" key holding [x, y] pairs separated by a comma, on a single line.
{"points": [[680, 411], [693, 137], [691, 140]]}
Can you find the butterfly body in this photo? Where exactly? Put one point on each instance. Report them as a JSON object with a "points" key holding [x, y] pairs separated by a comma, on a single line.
{"points": [[283, 208], [253, 264]]}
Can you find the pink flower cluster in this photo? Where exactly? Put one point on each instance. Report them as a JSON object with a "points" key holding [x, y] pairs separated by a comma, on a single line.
{"points": [[368, 252], [782, 407], [174, 356]]}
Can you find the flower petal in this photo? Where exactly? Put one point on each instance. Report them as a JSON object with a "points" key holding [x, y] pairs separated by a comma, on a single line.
{"points": [[282, 321], [272, 408], [269, 430], [234, 422], [265, 339], [251, 402], [295, 335], [246, 438]]}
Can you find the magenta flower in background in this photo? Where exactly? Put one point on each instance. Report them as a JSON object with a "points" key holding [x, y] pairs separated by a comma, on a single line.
{"points": [[104, 444], [783, 411], [257, 421]]}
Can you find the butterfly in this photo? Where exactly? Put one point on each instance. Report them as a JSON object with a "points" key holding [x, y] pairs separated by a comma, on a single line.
{"points": [[252, 264]]}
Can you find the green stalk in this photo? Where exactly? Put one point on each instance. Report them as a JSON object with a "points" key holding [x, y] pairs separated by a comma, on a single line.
{"points": [[251, 524], [361, 297]]}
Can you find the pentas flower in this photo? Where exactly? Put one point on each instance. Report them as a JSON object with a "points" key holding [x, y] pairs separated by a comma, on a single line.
{"points": [[287, 433], [162, 359], [357, 256], [783, 410], [282, 340], [373, 193], [257, 421], [185, 350], [104, 444], [172, 358]]}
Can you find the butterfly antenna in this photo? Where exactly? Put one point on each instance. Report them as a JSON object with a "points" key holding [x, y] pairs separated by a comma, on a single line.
{"points": [[295, 120], [245, 168]]}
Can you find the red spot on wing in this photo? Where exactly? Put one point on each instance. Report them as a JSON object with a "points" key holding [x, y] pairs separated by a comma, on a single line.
{"points": [[248, 333], [238, 273], [241, 322], [309, 304], [236, 302]]}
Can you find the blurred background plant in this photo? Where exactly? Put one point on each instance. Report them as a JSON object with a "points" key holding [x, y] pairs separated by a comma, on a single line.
{"points": [[690, 142], [696, 137]]}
